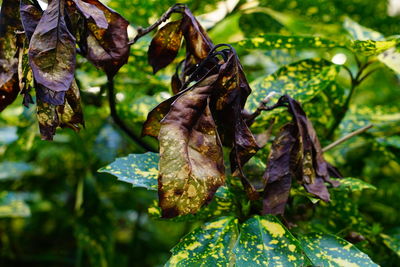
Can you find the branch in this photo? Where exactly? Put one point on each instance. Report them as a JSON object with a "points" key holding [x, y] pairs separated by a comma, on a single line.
{"points": [[143, 31], [347, 137], [119, 121], [261, 107]]}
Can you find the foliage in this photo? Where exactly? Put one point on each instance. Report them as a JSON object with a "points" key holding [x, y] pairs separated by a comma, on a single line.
{"points": [[243, 175]]}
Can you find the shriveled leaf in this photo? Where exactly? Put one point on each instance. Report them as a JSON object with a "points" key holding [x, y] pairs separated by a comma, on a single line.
{"points": [[107, 48], [329, 250], [269, 42], [52, 50], [278, 175], [47, 118], [191, 160], [140, 170], [302, 80], [30, 16], [209, 245], [165, 45], [90, 11], [354, 184], [264, 241], [13, 205], [9, 44]]}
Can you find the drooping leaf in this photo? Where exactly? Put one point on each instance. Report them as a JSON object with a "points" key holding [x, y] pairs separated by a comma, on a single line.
{"points": [[9, 46], [165, 45], [209, 245], [191, 160], [30, 16], [329, 250], [140, 170], [107, 48], [302, 80], [354, 184], [278, 175], [47, 118], [264, 241], [52, 50], [90, 11]]}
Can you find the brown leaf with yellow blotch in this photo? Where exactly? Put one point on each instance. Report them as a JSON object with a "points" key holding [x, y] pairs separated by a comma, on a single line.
{"points": [[30, 16], [165, 45], [191, 159], [9, 44], [231, 91], [69, 114], [107, 48], [52, 49], [278, 175]]}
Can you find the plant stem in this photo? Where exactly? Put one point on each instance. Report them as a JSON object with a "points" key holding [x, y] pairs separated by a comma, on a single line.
{"points": [[119, 121], [347, 137], [143, 31]]}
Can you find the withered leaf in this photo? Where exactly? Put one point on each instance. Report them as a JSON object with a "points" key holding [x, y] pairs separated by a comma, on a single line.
{"points": [[30, 16], [107, 48], [278, 175], [90, 11], [165, 45], [9, 45], [191, 160], [69, 114], [52, 49]]}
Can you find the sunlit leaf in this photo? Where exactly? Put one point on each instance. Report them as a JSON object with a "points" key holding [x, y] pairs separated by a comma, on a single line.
{"points": [[13, 205], [209, 245], [362, 33], [140, 170], [264, 241], [354, 184], [329, 250], [12, 170], [391, 58]]}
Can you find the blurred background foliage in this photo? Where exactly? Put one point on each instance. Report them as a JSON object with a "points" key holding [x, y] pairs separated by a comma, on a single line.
{"points": [[56, 210]]}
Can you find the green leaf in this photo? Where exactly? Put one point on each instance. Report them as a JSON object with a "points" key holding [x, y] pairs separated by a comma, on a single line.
{"points": [[13, 205], [140, 170], [264, 241], [302, 80], [392, 240], [269, 41], [329, 250], [370, 47], [354, 184], [222, 204], [358, 32], [209, 245], [12, 170], [391, 58]]}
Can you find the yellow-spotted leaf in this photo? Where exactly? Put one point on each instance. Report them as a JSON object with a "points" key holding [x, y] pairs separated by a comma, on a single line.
{"points": [[264, 241], [370, 47], [302, 80], [392, 240], [209, 245], [289, 42], [140, 170], [329, 250], [354, 184]]}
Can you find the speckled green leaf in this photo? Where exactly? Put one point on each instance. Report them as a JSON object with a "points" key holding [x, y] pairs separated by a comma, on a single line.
{"points": [[291, 42], [392, 240], [329, 250], [370, 47], [264, 241], [358, 32], [140, 170], [13, 205], [302, 80], [222, 204], [209, 245], [354, 184]]}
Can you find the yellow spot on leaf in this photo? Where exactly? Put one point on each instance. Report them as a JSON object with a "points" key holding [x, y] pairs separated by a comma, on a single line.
{"points": [[274, 228]]}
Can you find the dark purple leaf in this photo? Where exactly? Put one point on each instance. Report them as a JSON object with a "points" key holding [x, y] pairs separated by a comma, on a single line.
{"points": [[90, 11], [30, 17]]}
